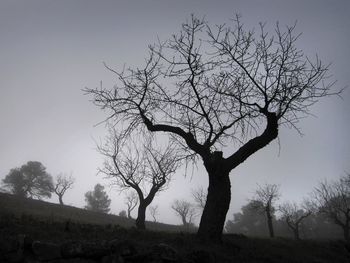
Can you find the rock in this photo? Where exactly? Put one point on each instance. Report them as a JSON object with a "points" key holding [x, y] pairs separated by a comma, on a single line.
{"points": [[112, 259], [164, 252], [46, 251], [95, 250], [84, 250], [202, 256], [73, 260], [122, 248], [72, 249]]}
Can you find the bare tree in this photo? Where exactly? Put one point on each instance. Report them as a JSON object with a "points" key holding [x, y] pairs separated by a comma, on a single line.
{"points": [[185, 210], [200, 197], [63, 183], [265, 198], [139, 165], [293, 215], [153, 210], [222, 93], [131, 201], [333, 199]]}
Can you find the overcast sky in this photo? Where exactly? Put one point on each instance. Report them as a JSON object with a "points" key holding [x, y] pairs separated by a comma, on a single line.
{"points": [[50, 50]]}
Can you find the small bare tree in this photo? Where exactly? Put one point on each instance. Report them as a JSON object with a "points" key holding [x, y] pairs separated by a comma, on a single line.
{"points": [[131, 201], [185, 210], [265, 198], [200, 197], [139, 165], [333, 199], [293, 215], [153, 210], [222, 92], [63, 183]]}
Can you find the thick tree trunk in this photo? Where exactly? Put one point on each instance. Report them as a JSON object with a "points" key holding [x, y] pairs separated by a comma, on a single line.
{"points": [[216, 207], [141, 216], [269, 223]]}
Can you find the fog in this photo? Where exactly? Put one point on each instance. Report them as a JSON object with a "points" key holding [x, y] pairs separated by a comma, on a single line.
{"points": [[51, 50]]}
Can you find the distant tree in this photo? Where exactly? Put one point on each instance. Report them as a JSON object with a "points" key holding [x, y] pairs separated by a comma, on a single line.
{"points": [[97, 200], [31, 180], [62, 184], [209, 86], [140, 165], [131, 201], [294, 215], [266, 196], [249, 221], [153, 210], [185, 210], [200, 197], [123, 214], [333, 199]]}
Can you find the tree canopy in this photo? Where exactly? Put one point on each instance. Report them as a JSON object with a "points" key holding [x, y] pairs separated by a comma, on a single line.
{"points": [[30, 180], [221, 92], [97, 200]]}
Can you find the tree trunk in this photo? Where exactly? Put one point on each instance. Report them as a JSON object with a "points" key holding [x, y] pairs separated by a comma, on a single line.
{"points": [[216, 207], [141, 216], [269, 223], [184, 221], [129, 214], [296, 233], [60, 199]]}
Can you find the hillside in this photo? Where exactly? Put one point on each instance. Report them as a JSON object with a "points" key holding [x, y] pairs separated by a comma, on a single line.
{"points": [[38, 231], [18, 207]]}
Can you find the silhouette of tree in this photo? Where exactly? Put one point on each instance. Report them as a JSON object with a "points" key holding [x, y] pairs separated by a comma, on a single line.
{"points": [[200, 197], [63, 183], [131, 201], [185, 210], [153, 210], [333, 199], [221, 93], [139, 165], [97, 200], [265, 197], [294, 215], [31, 180]]}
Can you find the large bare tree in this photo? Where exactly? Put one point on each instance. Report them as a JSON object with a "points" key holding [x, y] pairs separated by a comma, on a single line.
{"points": [[333, 200], [221, 92], [62, 184], [140, 165], [294, 215], [265, 199]]}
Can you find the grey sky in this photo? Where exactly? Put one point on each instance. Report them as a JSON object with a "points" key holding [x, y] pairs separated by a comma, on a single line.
{"points": [[50, 50]]}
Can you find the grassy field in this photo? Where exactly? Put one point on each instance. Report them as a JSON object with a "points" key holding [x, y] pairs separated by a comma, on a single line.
{"points": [[51, 222]]}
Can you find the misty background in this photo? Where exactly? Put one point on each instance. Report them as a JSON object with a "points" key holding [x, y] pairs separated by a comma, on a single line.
{"points": [[50, 50]]}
